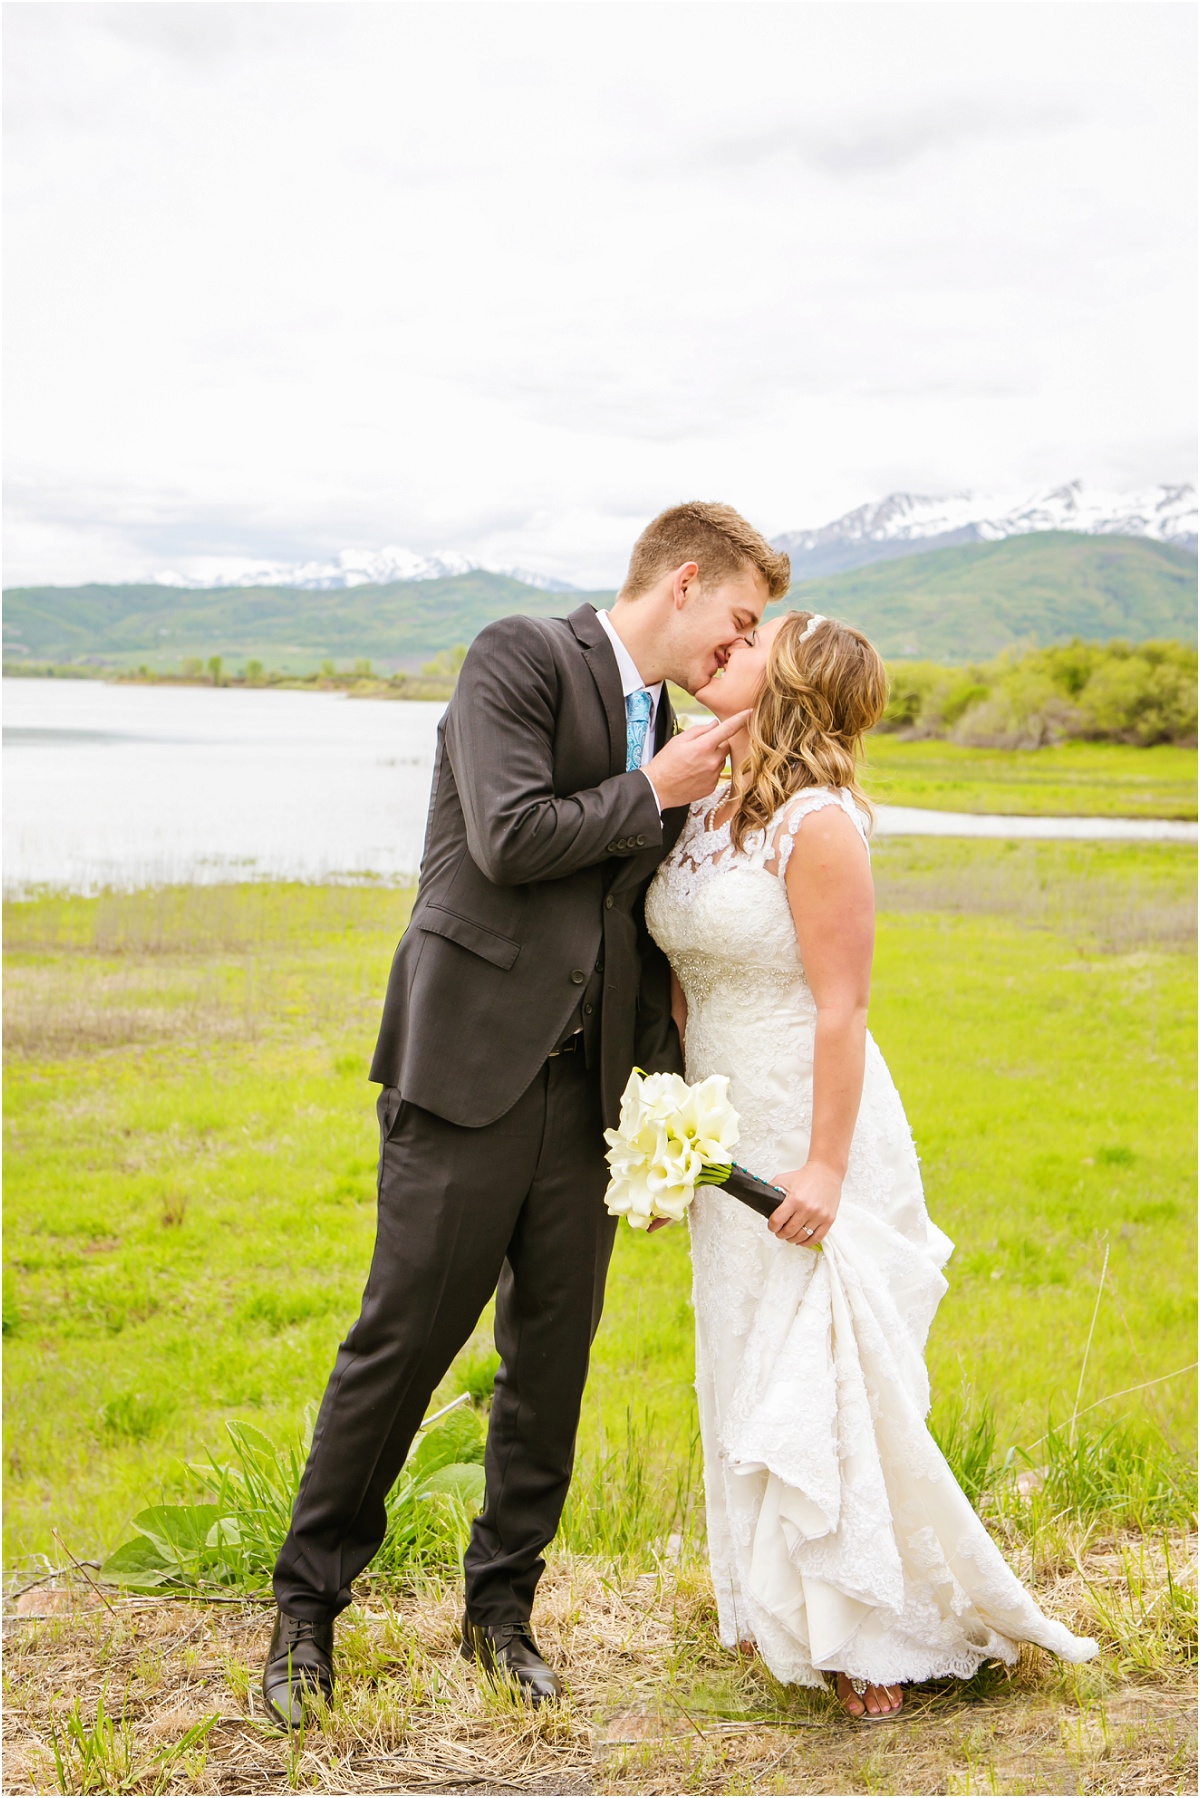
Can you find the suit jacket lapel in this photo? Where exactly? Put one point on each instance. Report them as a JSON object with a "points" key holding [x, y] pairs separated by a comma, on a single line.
{"points": [[675, 817], [602, 664], [664, 723]]}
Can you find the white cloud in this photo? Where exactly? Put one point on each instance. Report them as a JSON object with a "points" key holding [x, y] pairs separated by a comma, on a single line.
{"points": [[287, 279]]}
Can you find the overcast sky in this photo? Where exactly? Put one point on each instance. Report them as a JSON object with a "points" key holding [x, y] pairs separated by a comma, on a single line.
{"points": [[505, 278]]}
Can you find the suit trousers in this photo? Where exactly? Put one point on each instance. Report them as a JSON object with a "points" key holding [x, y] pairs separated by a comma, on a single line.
{"points": [[516, 1208]]}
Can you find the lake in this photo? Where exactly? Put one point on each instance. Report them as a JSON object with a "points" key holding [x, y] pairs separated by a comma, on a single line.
{"points": [[108, 785]]}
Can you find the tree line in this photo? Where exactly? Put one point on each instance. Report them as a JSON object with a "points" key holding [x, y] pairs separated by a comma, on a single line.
{"points": [[1140, 693]]}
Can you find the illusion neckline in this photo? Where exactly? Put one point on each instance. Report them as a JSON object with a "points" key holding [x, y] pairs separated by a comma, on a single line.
{"points": [[721, 793]]}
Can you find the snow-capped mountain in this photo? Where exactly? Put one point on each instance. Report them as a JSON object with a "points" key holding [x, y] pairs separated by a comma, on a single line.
{"points": [[905, 524], [353, 568]]}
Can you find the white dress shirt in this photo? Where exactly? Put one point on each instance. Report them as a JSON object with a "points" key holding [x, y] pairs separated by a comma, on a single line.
{"points": [[632, 682]]}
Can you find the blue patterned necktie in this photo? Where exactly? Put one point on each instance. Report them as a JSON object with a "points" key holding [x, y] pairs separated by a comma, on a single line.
{"points": [[638, 707]]}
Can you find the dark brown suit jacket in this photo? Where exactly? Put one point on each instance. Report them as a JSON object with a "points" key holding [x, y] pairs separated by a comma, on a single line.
{"points": [[538, 851]]}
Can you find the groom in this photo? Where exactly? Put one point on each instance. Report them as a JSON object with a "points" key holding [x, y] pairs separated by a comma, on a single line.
{"points": [[522, 993]]}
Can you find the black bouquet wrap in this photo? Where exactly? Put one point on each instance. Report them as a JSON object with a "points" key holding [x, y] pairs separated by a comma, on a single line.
{"points": [[760, 1195]]}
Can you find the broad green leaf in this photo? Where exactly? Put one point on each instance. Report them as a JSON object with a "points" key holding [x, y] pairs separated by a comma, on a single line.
{"points": [[457, 1438], [179, 1532], [253, 1438], [136, 1563], [464, 1481], [226, 1532]]}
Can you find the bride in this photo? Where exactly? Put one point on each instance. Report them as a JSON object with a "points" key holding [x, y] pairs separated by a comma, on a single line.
{"points": [[839, 1538]]}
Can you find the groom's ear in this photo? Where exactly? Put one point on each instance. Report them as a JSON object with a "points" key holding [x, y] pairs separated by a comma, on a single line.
{"points": [[685, 579]]}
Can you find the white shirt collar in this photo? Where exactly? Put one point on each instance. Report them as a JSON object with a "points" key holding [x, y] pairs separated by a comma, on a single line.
{"points": [[631, 680]]}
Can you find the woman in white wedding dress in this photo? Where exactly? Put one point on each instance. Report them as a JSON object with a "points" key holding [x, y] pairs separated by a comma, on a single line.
{"points": [[840, 1540]]}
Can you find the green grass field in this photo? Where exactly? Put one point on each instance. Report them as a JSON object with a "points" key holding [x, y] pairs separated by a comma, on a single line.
{"points": [[1087, 780], [191, 1150]]}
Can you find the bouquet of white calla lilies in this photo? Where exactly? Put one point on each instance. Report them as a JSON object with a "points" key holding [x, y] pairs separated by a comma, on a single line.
{"points": [[672, 1138]]}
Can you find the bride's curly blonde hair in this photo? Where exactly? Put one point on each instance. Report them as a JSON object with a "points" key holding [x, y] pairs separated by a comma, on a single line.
{"points": [[819, 697]]}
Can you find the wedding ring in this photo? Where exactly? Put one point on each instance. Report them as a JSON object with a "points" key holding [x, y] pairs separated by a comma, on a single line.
{"points": [[809, 1231]]}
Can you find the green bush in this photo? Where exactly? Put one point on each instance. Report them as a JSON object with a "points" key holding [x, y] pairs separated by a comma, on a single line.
{"points": [[1023, 710], [1134, 700], [1024, 700], [446, 663]]}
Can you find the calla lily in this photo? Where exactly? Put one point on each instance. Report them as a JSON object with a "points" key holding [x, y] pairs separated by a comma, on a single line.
{"points": [[671, 1138]]}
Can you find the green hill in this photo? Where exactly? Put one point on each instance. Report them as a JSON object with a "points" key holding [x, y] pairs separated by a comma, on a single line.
{"points": [[290, 628], [968, 603], [959, 604]]}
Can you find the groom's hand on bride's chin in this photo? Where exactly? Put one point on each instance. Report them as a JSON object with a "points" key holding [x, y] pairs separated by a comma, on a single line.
{"points": [[689, 766]]}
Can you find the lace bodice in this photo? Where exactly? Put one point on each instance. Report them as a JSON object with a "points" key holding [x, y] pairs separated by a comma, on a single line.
{"points": [[703, 847], [723, 918]]}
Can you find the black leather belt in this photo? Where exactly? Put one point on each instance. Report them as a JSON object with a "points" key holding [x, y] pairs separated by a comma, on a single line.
{"points": [[572, 1046]]}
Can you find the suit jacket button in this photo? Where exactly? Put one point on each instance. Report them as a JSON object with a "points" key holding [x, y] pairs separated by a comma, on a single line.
{"points": [[641, 842], [608, 903], [612, 848], [578, 976], [588, 1010]]}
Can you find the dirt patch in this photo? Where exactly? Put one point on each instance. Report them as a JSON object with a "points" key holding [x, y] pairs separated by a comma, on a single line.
{"points": [[152, 1695]]}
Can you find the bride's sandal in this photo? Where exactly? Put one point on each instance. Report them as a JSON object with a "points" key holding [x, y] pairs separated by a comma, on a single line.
{"points": [[852, 1691]]}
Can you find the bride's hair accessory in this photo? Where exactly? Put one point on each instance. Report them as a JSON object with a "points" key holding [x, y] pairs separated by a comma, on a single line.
{"points": [[816, 619]]}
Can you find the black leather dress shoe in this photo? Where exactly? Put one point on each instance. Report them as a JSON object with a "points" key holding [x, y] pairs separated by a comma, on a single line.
{"points": [[509, 1648], [299, 1665]]}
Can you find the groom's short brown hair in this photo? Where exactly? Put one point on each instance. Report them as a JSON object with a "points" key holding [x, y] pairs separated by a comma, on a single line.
{"points": [[715, 537]]}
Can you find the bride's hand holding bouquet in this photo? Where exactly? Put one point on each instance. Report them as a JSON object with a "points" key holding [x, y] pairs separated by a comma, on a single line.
{"points": [[814, 1193]]}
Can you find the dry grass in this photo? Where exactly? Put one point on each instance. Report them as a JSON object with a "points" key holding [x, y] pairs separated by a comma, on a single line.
{"points": [[656, 1705], [49, 1011], [202, 964], [1097, 894]]}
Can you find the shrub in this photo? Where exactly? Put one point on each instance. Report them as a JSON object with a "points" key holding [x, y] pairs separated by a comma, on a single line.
{"points": [[446, 664], [1024, 710], [1134, 700], [926, 699], [1026, 699]]}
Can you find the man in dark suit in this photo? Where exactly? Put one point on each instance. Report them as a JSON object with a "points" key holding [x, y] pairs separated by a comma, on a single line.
{"points": [[524, 990]]}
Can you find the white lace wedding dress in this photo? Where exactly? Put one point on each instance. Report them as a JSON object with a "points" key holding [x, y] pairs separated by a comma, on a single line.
{"points": [[839, 1537]]}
